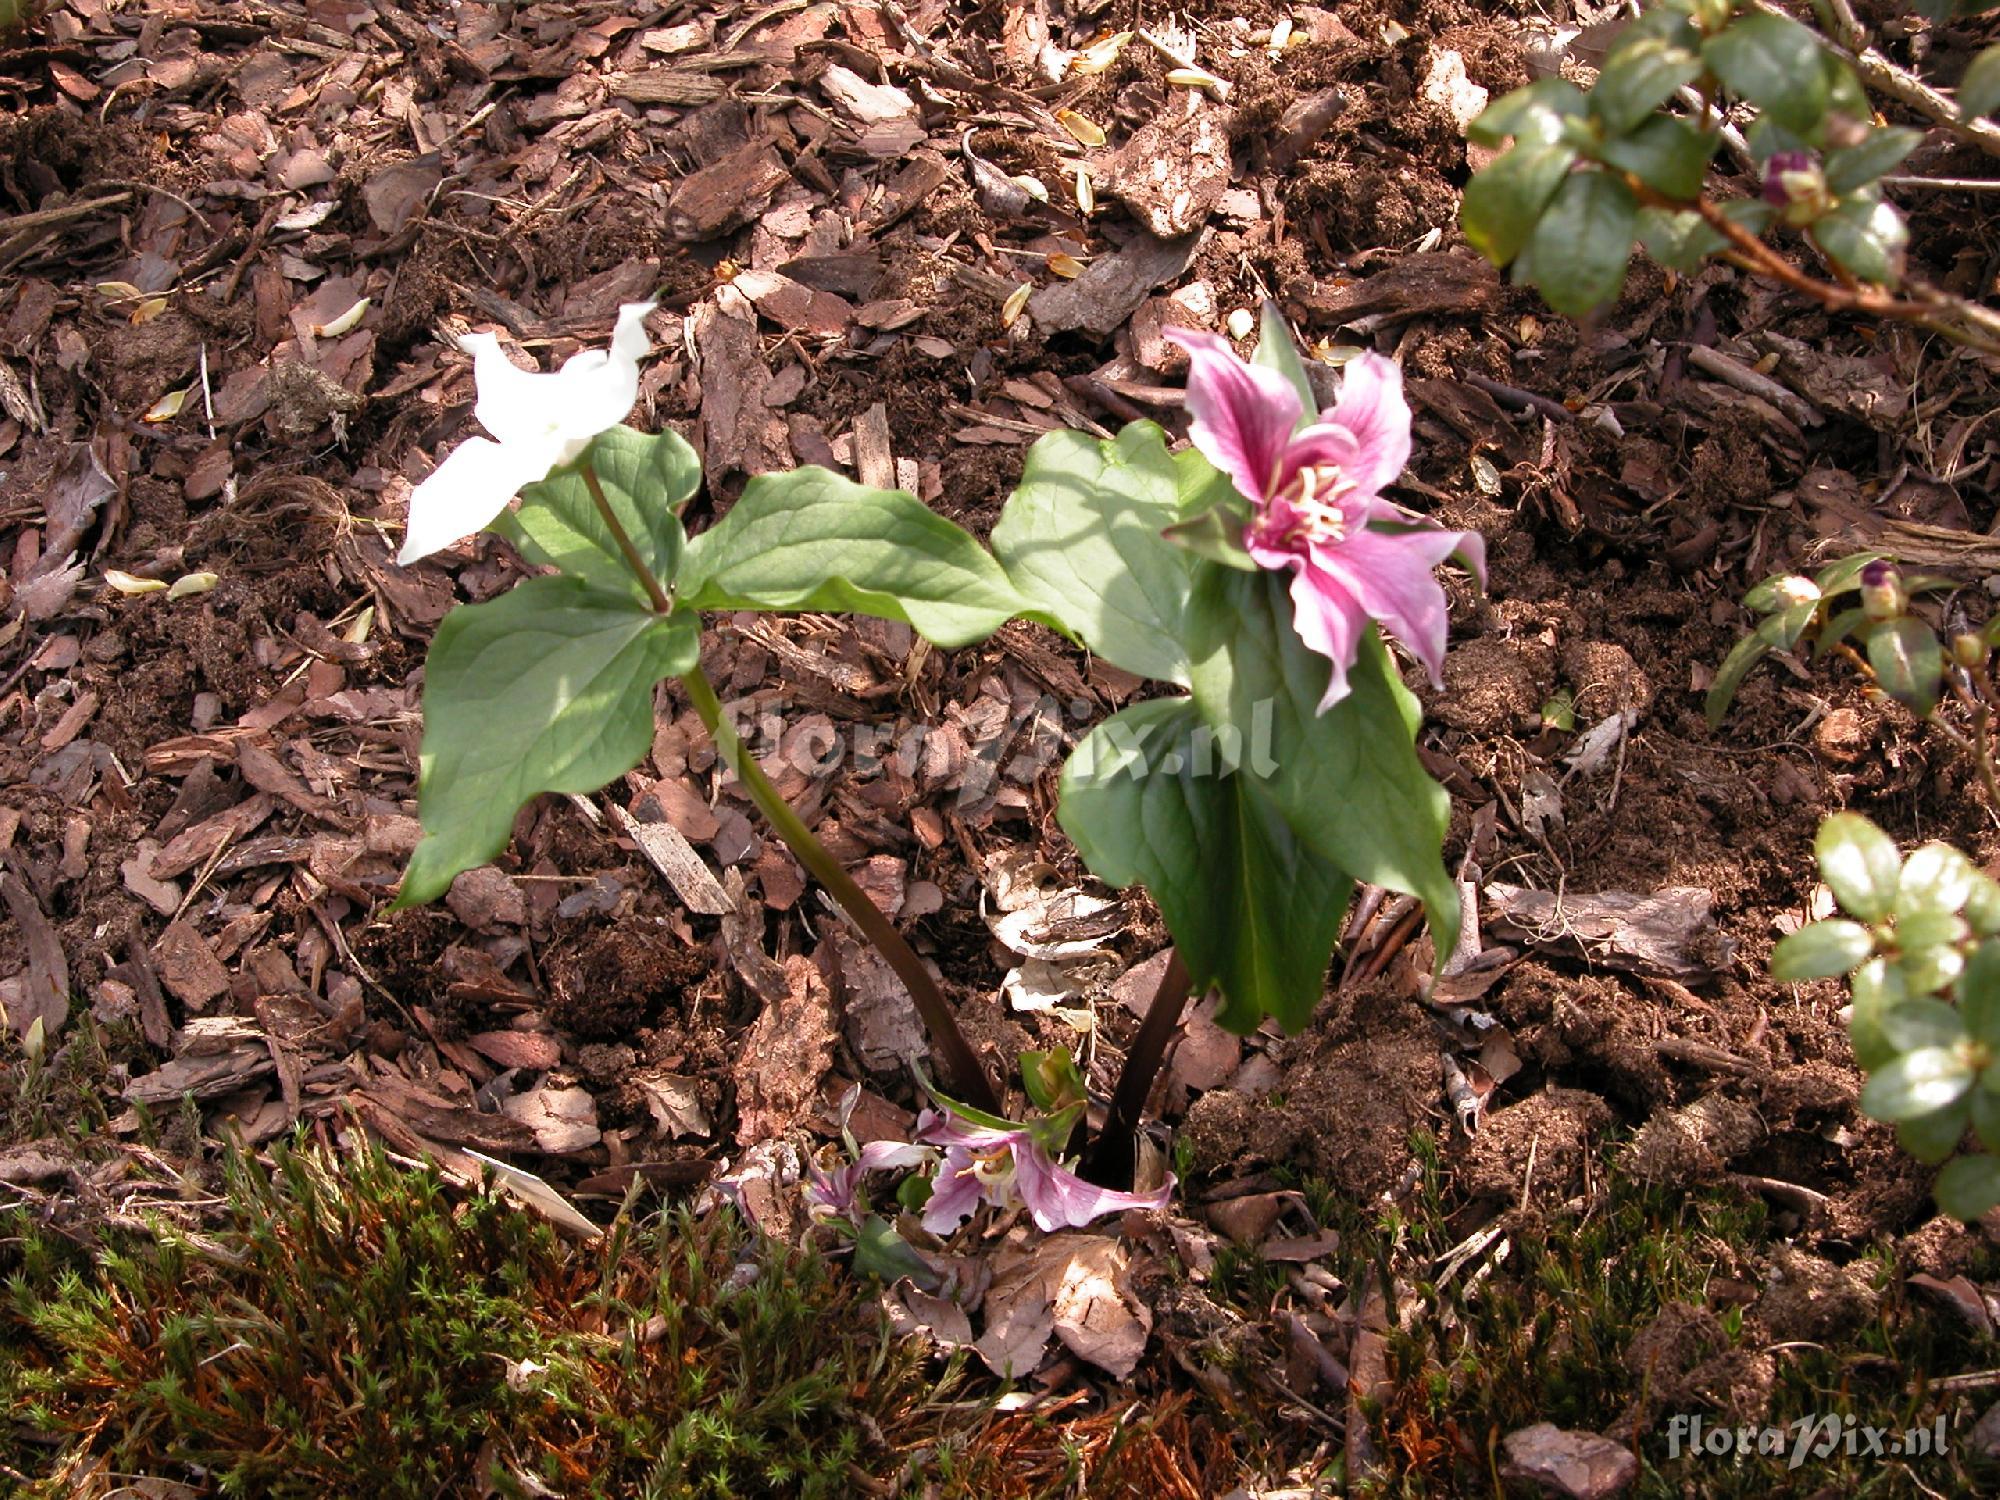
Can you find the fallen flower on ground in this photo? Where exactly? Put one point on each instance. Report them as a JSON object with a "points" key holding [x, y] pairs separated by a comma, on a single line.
{"points": [[1316, 506], [1010, 1167], [541, 421]]}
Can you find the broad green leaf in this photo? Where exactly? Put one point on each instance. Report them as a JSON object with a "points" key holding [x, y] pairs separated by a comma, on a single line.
{"points": [[1917, 1024], [1276, 351], [882, 1253], [1775, 63], [646, 480], [1150, 797], [1860, 865], [1766, 138], [1670, 156], [1780, 591], [1922, 930], [1821, 950], [1578, 252], [1931, 1138], [1680, 239], [1535, 112], [1986, 1107], [1348, 781], [1736, 666], [1979, 90], [1878, 988], [1865, 237], [1936, 878], [1638, 77], [1925, 971], [1838, 629], [1908, 662], [1216, 534], [1052, 1080], [1979, 993], [1916, 1084], [811, 539], [1504, 201], [1784, 629], [1878, 152], [548, 688], [1969, 1187], [1081, 539], [1982, 905]]}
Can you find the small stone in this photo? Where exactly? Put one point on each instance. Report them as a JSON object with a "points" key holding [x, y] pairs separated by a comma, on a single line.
{"points": [[1581, 1465]]}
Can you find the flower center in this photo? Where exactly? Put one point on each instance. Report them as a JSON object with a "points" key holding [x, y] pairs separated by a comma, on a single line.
{"points": [[1309, 509]]}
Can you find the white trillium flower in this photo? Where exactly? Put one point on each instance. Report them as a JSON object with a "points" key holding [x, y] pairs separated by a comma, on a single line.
{"points": [[541, 421]]}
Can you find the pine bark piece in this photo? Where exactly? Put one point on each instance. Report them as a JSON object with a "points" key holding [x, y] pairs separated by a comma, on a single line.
{"points": [[727, 195]]}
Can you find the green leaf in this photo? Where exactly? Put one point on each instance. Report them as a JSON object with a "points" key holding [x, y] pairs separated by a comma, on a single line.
{"points": [[1780, 591], [1979, 993], [811, 539], [1081, 539], [1840, 576], [1504, 201], [1926, 970], [1864, 237], [1838, 629], [1860, 865], [1670, 156], [1216, 534], [1982, 905], [1777, 65], [1931, 1138], [1276, 351], [1917, 1024], [1908, 662], [1736, 666], [1969, 1187], [1916, 1084], [1936, 878], [1878, 988], [1150, 797], [645, 478], [1678, 239], [1986, 1107], [1638, 77], [1979, 90], [1821, 950], [1784, 629], [1348, 781], [882, 1253], [1536, 113], [1578, 252], [1923, 930], [1052, 1080], [548, 688], [1878, 152]]}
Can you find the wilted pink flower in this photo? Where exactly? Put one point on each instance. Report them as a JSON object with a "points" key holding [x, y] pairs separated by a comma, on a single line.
{"points": [[1006, 1167], [1316, 505], [831, 1194]]}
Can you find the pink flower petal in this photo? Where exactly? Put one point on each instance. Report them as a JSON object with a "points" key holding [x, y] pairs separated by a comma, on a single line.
{"points": [[1371, 406], [956, 1191], [1243, 414], [1327, 446], [1389, 578], [1059, 1199], [1328, 619]]}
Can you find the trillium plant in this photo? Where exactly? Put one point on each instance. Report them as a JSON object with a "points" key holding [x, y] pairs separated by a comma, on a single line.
{"points": [[1251, 575]]}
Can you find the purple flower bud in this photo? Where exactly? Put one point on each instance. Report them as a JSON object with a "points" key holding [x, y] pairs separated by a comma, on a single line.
{"points": [[1793, 181], [1775, 171], [1882, 594]]}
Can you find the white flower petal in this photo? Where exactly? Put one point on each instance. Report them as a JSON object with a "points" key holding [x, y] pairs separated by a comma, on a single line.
{"points": [[512, 401], [467, 490]]}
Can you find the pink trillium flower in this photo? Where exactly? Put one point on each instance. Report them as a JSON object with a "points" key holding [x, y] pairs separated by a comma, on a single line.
{"points": [[1316, 502], [1009, 1167], [831, 1194]]}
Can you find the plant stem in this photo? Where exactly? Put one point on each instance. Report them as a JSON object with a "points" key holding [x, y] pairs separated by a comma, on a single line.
{"points": [[1112, 1159], [968, 1080]]}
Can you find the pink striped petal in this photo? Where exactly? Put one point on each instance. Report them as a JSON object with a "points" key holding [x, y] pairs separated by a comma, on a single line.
{"points": [[1059, 1199], [1389, 578], [1243, 414], [1372, 407], [1329, 620]]}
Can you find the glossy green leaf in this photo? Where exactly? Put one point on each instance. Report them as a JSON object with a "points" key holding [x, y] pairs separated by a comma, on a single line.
{"points": [[1864, 237], [1979, 993], [1979, 90], [1878, 152], [1837, 629], [1679, 239], [1982, 904], [1926, 971], [1504, 201], [646, 478], [1775, 63], [1276, 351], [1985, 1102], [1878, 988], [1917, 1083], [1637, 78], [1969, 1187], [1348, 780], [548, 688], [1933, 1137], [1860, 865], [1916, 1024], [1578, 252], [811, 539], [1908, 662], [882, 1253], [1845, 573], [1216, 534], [1736, 666], [1081, 538], [1150, 796], [1670, 156], [1785, 628], [1821, 950], [1936, 878], [1779, 592], [1535, 112]]}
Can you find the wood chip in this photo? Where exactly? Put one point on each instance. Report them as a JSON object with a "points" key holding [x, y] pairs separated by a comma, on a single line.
{"points": [[674, 857]]}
